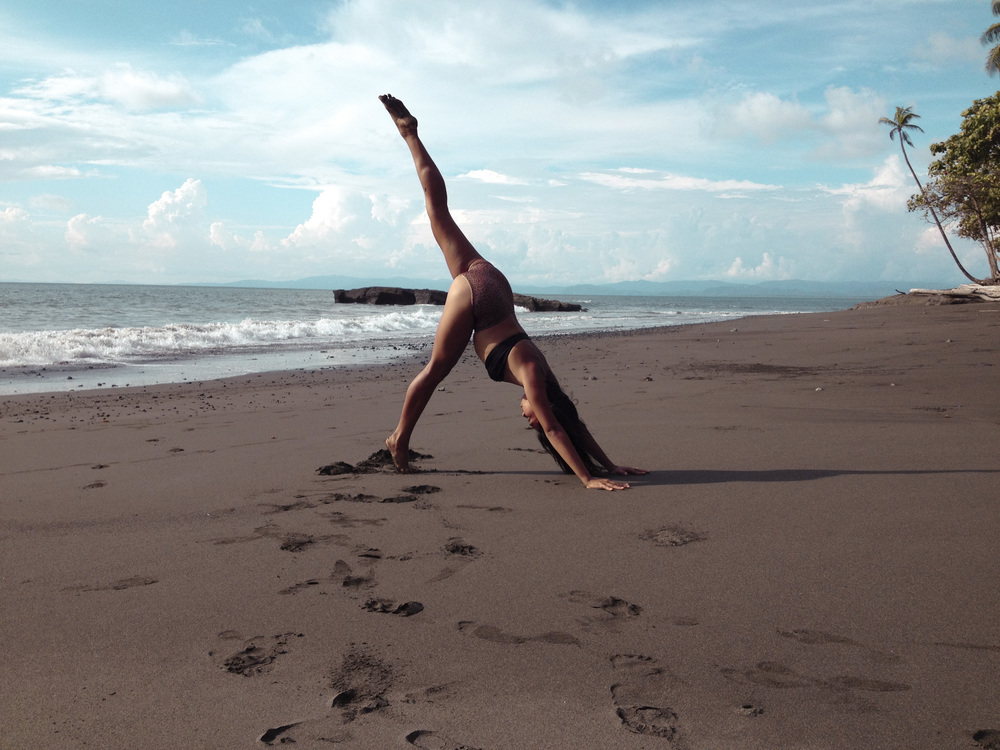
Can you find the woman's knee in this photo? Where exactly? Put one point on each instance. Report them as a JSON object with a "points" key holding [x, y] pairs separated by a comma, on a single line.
{"points": [[437, 369]]}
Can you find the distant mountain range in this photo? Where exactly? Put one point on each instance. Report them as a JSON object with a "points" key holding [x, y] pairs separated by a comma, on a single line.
{"points": [[790, 288]]}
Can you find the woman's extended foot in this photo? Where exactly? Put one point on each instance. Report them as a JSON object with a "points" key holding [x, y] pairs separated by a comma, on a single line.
{"points": [[400, 454], [406, 122]]}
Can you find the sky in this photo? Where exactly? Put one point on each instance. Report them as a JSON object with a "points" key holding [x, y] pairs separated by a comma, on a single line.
{"points": [[582, 142]]}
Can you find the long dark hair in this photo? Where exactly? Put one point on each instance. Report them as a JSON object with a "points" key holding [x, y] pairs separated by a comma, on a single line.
{"points": [[565, 412]]}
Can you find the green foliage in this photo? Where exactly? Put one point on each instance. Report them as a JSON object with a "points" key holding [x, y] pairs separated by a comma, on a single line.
{"points": [[964, 186]]}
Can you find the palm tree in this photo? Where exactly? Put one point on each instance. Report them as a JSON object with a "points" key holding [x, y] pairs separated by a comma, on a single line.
{"points": [[900, 124], [992, 36]]}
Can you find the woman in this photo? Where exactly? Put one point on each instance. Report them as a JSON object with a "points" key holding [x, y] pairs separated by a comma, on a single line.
{"points": [[480, 304]]}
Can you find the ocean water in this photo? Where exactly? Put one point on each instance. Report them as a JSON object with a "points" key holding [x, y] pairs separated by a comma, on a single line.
{"points": [[58, 337]]}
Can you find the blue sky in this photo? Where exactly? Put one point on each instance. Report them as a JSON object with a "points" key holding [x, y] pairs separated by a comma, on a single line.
{"points": [[593, 141]]}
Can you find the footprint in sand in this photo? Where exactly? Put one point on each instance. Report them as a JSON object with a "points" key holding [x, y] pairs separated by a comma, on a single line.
{"points": [[768, 674], [125, 583], [987, 738], [302, 585], [388, 606], [490, 508], [821, 638], [347, 522], [343, 497], [297, 542], [361, 682], [350, 580], [642, 698], [457, 546], [271, 735], [361, 685], [428, 740], [422, 489], [342, 574], [495, 635], [286, 507], [612, 609], [673, 536], [290, 541], [459, 549], [434, 693], [773, 674], [379, 461], [256, 655]]}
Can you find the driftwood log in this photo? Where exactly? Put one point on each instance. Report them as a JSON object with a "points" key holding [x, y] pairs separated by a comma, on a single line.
{"points": [[392, 295], [960, 295]]}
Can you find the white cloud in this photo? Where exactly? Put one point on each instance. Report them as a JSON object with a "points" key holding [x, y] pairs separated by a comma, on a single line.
{"points": [[136, 90], [176, 214], [621, 181], [13, 215], [141, 90], [186, 39], [389, 209], [888, 190], [847, 122], [219, 236], [763, 115], [662, 271], [50, 202], [222, 238], [332, 212], [941, 48], [80, 231], [492, 178], [53, 172], [768, 269], [852, 121], [930, 241]]}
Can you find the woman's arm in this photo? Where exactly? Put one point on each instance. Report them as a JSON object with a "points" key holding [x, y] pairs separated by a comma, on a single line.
{"points": [[597, 452], [534, 390]]}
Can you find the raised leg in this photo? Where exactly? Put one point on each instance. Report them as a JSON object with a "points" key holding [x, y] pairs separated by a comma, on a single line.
{"points": [[453, 334], [458, 251]]}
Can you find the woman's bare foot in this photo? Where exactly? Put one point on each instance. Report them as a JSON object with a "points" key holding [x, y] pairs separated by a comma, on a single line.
{"points": [[406, 122], [400, 454]]}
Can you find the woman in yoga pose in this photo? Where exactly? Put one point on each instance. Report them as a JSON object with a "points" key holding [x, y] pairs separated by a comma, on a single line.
{"points": [[480, 305]]}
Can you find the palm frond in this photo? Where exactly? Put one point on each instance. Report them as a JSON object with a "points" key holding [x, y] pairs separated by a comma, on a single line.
{"points": [[993, 61], [991, 35]]}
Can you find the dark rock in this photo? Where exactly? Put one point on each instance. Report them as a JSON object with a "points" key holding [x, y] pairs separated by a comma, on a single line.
{"points": [[387, 295], [535, 304]]}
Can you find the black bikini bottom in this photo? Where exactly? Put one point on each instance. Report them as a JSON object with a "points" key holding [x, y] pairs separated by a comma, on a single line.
{"points": [[496, 360]]}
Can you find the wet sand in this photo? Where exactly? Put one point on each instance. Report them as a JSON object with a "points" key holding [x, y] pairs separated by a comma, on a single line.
{"points": [[811, 563]]}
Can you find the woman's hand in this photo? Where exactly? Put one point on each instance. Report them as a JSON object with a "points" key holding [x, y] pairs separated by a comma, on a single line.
{"points": [[597, 483], [623, 470]]}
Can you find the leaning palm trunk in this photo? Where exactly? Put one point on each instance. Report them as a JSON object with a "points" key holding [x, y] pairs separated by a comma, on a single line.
{"points": [[944, 235], [989, 240]]}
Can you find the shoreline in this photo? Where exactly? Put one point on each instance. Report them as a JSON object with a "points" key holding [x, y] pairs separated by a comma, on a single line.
{"points": [[110, 376], [809, 564], [176, 343]]}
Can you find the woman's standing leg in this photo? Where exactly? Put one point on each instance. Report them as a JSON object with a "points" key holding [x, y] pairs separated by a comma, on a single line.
{"points": [[458, 251], [453, 333]]}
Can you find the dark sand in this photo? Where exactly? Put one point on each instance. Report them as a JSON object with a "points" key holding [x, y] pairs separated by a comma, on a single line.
{"points": [[811, 563]]}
